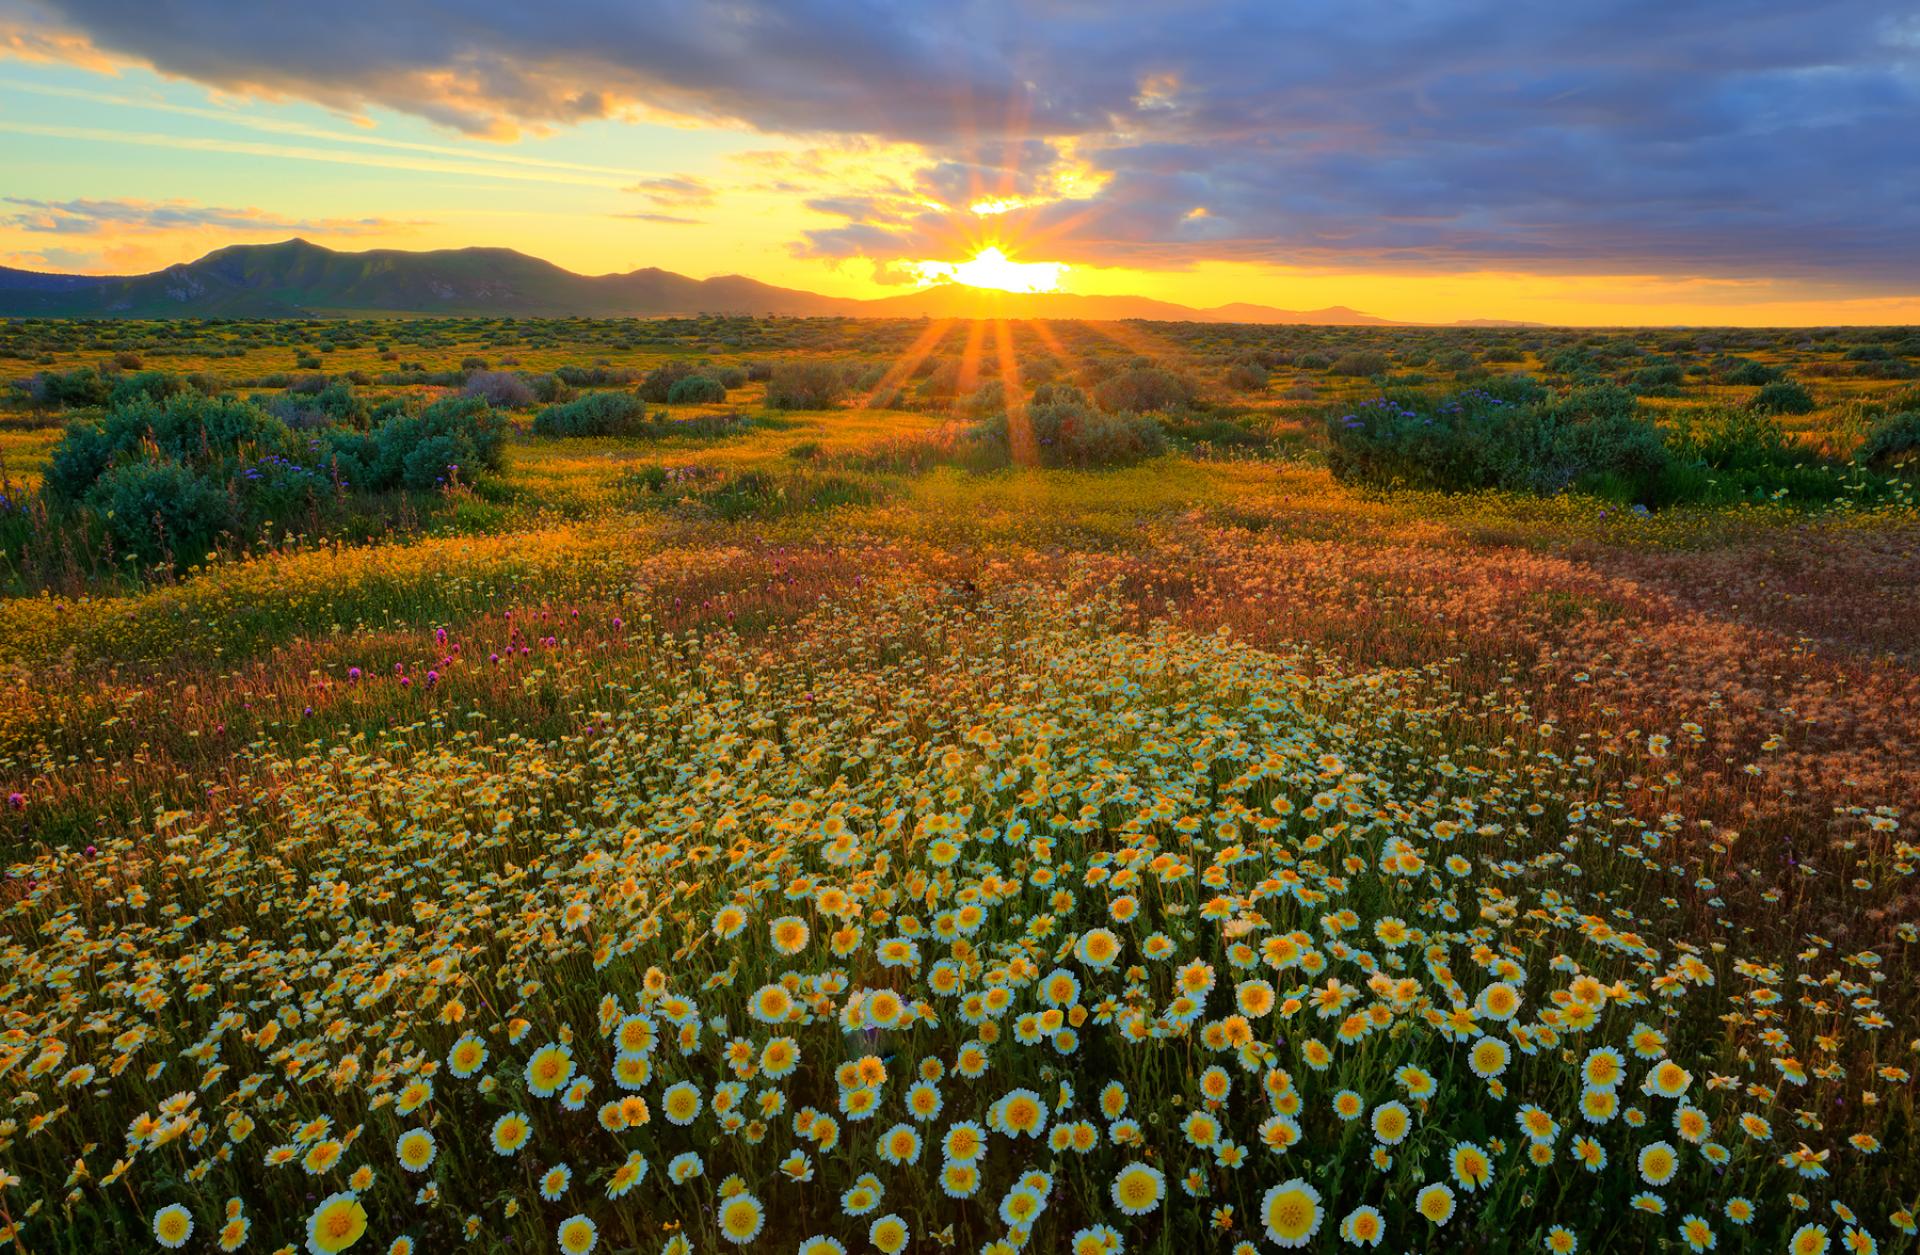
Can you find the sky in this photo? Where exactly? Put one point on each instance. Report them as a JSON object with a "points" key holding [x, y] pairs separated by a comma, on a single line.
{"points": [[1581, 161]]}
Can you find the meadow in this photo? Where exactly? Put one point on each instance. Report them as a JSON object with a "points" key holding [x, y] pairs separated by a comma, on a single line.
{"points": [[771, 784]]}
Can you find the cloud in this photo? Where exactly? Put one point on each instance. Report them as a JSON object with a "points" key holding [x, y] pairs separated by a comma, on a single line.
{"points": [[1712, 137], [91, 217], [668, 219], [678, 189]]}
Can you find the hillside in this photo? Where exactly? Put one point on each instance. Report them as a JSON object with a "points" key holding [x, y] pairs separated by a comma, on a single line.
{"points": [[296, 278]]}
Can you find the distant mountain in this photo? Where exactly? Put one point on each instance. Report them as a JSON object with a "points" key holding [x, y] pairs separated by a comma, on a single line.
{"points": [[298, 279]]}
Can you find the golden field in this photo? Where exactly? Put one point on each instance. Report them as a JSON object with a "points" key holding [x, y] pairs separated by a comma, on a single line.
{"points": [[797, 838]]}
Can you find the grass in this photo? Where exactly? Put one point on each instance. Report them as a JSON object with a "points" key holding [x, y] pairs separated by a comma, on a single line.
{"points": [[1181, 827]]}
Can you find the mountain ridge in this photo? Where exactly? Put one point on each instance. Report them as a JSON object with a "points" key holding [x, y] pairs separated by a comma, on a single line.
{"points": [[296, 278]]}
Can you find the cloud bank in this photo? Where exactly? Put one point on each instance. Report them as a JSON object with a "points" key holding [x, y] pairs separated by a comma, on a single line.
{"points": [[1722, 138]]}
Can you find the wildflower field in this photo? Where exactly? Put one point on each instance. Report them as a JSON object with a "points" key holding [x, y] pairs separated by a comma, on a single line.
{"points": [[956, 786]]}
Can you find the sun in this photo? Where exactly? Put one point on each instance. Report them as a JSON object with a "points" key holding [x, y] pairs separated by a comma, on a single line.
{"points": [[991, 268]]}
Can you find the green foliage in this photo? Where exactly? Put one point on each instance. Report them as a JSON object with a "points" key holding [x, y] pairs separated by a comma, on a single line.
{"points": [[1783, 396], [1892, 443], [1247, 377], [208, 433], [1071, 433], [595, 414], [1362, 362], [82, 388], [806, 385], [696, 390], [760, 494], [1746, 372], [456, 437], [153, 385], [658, 385], [1142, 390], [161, 511], [165, 480], [1512, 434]]}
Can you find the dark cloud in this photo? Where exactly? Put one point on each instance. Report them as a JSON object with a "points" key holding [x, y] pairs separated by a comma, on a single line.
{"points": [[1720, 137]]}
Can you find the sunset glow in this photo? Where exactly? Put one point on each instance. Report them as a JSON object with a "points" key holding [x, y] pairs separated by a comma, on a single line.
{"points": [[1182, 157], [992, 268]]}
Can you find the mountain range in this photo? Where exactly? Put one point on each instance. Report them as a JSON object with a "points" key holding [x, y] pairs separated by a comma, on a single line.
{"points": [[295, 278]]}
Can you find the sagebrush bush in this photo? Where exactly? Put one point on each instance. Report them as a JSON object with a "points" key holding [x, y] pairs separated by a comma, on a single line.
{"points": [[1512, 434], [696, 390], [657, 387], [1247, 377], [1142, 390], [809, 385], [500, 388], [595, 414], [82, 388], [1365, 362], [165, 479], [1783, 396], [161, 511], [209, 433], [1746, 372], [1070, 434], [1892, 443]]}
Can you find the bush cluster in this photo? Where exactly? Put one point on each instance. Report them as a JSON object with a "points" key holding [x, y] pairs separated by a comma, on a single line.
{"points": [[1511, 434], [1067, 432], [165, 479], [807, 385], [1518, 436]]}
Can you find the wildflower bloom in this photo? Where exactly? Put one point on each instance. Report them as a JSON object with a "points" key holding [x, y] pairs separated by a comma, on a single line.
{"points": [[1291, 1213], [1435, 1203], [1137, 1189], [576, 1235], [741, 1219], [415, 1149], [172, 1226], [510, 1133], [337, 1223]]}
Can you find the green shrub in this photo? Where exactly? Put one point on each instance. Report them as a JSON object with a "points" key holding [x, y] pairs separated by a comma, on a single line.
{"points": [[153, 385], [1664, 380], [1069, 433], [809, 385], [1142, 390], [989, 398], [595, 414], [160, 511], [696, 390], [1746, 372], [1892, 444], [462, 435], [1363, 362], [1247, 377], [657, 387], [82, 388], [208, 434], [1512, 434], [1735, 439], [1783, 396]]}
